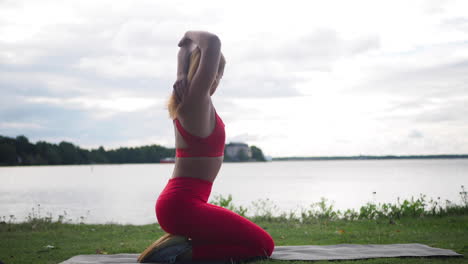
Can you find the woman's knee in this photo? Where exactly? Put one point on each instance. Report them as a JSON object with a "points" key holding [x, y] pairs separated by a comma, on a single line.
{"points": [[269, 244], [264, 244]]}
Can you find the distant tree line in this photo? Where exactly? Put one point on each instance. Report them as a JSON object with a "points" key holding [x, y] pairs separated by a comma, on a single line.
{"points": [[19, 151], [440, 156]]}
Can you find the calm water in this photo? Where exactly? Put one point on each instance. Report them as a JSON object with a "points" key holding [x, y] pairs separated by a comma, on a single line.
{"points": [[127, 193]]}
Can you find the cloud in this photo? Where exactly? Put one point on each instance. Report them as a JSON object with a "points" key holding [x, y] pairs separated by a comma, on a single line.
{"points": [[455, 23], [96, 75], [20, 126], [43, 121], [277, 68], [426, 85], [453, 111], [244, 137], [415, 134]]}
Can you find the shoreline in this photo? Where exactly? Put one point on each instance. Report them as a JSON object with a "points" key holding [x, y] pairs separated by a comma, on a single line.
{"points": [[331, 158], [371, 157]]}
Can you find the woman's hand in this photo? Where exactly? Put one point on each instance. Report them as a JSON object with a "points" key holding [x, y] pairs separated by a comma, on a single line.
{"points": [[180, 87], [202, 39], [185, 41]]}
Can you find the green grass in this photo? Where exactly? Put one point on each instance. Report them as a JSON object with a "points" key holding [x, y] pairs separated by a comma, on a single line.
{"points": [[26, 242], [40, 239]]}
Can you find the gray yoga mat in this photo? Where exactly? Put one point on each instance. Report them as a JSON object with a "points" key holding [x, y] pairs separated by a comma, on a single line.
{"points": [[330, 252]]}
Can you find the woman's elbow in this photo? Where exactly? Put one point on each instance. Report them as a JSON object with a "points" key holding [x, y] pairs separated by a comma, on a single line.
{"points": [[214, 42], [215, 39]]}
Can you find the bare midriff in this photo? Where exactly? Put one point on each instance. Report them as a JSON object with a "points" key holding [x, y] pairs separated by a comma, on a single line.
{"points": [[205, 168]]}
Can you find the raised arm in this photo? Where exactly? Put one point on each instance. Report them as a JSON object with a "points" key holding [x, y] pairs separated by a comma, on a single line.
{"points": [[181, 84], [210, 48], [183, 59], [183, 62]]}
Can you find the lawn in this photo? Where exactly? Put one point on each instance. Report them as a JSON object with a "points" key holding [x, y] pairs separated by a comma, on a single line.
{"points": [[53, 242]]}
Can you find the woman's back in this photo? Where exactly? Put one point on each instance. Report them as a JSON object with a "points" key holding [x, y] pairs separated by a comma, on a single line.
{"points": [[199, 131], [199, 155]]}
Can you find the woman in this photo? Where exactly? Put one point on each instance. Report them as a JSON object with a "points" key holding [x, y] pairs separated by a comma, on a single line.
{"points": [[196, 229]]}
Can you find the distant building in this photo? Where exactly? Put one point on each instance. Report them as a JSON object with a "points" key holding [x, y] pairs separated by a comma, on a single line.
{"points": [[167, 160], [238, 151]]}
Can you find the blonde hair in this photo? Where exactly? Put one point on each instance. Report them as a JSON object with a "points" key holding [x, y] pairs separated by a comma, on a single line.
{"points": [[194, 61]]}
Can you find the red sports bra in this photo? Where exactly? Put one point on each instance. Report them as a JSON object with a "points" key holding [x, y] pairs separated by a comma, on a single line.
{"points": [[210, 146]]}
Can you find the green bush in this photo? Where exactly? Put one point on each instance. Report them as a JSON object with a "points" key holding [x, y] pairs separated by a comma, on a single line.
{"points": [[324, 210]]}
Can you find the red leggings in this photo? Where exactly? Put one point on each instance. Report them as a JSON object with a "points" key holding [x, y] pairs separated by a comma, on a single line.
{"points": [[217, 233]]}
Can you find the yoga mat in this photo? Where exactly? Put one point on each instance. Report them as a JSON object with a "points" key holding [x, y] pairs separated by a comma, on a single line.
{"points": [[356, 251], [329, 252]]}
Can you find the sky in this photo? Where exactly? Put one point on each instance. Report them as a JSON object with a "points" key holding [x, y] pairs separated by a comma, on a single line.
{"points": [[303, 78]]}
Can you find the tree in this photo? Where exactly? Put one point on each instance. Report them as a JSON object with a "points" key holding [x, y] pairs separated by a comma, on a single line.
{"points": [[69, 153], [49, 152], [8, 154], [98, 156], [242, 155], [22, 144], [25, 150], [257, 154]]}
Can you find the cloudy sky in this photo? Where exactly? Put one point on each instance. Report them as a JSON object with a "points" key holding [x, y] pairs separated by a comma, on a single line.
{"points": [[302, 77]]}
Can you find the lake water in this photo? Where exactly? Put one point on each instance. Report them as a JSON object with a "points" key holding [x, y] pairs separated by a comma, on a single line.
{"points": [[127, 193]]}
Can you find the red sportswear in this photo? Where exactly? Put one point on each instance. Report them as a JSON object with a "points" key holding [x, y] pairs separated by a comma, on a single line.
{"points": [[217, 233], [210, 146]]}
